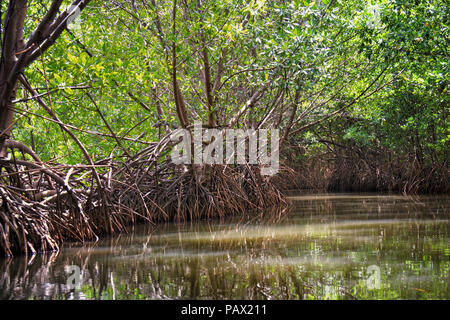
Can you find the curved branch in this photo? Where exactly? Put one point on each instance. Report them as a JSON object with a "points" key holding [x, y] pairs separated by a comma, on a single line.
{"points": [[22, 147]]}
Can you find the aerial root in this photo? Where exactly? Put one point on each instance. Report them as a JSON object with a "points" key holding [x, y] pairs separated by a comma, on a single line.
{"points": [[44, 204]]}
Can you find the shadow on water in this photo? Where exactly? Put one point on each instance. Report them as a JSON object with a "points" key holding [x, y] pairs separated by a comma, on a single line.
{"points": [[333, 246]]}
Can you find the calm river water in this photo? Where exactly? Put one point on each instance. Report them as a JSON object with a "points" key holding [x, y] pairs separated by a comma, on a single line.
{"points": [[330, 246]]}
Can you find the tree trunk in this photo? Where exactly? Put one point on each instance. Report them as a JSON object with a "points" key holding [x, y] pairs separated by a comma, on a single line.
{"points": [[16, 54], [12, 45]]}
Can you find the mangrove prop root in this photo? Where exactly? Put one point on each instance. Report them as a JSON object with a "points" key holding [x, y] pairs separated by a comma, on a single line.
{"points": [[42, 205]]}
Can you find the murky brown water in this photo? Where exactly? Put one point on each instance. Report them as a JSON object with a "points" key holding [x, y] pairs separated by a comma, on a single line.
{"points": [[334, 246]]}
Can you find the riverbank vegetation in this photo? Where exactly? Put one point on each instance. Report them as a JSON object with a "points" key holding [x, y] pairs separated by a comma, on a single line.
{"points": [[358, 91]]}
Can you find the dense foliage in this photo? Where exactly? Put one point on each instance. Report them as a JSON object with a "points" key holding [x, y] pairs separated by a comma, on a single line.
{"points": [[370, 76]]}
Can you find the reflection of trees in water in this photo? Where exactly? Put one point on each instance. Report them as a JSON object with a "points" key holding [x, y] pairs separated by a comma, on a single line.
{"points": [[152, 274], [243, 261], [25, 278], [156, 276]]}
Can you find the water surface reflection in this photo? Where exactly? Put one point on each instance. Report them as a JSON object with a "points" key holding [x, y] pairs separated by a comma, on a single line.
{"points": [[329, 247]]}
